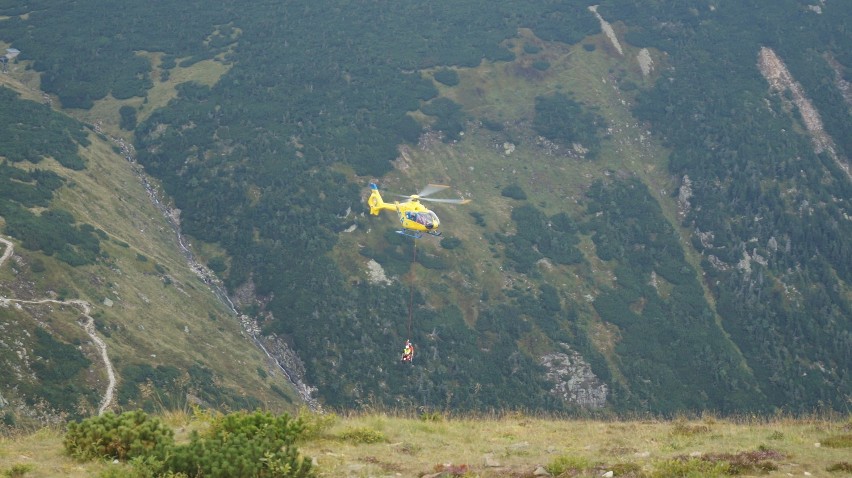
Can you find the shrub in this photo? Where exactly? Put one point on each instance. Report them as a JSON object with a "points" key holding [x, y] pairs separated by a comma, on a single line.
{"points": [[628, 85], [449, 117], [717, 464], [838, 441], [243, 444], [139, 467], [681, 428], [19, 470], [541, 65], [217, 264], [450, 242], [627, 469], [409, 448], [37, 265], [431, 417], [447, 77], [492, 125], [531, 48], [362, 435], [559, 117], [564, 463], [514, 191], [841, 466], [316, 424], [122, 437], [238, 444], [747, 462], [690, 467], [128, 118], [8, 419]]}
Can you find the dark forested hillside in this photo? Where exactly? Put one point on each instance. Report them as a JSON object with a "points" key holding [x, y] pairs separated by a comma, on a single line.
{"points": [[713, 273], [759, 188]]}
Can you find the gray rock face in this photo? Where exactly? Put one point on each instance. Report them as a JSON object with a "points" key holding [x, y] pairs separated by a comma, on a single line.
{"points": [[540, 471], [573, 379], [490, 462]]}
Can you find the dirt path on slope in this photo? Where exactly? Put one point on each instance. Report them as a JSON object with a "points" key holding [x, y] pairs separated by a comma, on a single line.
{"points": [[88, 326]]}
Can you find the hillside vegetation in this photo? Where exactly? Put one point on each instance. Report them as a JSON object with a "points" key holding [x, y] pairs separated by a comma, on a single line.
{"points": [[86, 243], [515, 445], [655, 225]]}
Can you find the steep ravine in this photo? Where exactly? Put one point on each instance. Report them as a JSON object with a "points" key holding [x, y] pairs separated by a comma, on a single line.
{"points": [[286, 359]]}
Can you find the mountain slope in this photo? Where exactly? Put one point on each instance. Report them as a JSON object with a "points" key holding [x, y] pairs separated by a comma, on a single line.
{"points": [[652, 228], [160, 322]]}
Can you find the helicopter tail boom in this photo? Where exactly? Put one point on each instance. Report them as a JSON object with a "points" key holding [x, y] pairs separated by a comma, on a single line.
{"points": [[376, 202]]}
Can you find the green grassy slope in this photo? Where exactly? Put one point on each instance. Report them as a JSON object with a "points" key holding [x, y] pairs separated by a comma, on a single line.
{"points": [[159, 320], [515, 445]]}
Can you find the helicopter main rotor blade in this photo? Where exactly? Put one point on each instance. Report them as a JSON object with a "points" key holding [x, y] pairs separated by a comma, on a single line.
{"points": [[431, 189], [447, 201]]}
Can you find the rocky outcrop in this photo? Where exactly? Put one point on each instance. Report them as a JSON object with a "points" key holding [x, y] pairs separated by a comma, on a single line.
{"points": [[608, 30], [376, 273], [683, 197], [780, 81], [283, 357], [646, 63], [573, 379], [292, 366]]}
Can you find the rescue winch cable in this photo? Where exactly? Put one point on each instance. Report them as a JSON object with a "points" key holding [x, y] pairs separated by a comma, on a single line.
{"points": [[411, 292]]}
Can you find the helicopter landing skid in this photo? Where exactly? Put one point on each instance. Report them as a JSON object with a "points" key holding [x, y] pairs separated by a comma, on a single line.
{"points": [[416, 234], [410, 233]]}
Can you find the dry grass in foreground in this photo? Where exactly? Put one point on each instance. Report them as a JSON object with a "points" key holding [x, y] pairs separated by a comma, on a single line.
{"points": [[515, 445]]}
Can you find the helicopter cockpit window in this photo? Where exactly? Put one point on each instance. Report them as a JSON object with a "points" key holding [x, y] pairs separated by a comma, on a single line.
{"points": [[427, 218]]}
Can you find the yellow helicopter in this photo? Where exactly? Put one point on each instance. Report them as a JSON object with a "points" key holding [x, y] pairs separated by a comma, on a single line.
{"points": [[413, 215]]}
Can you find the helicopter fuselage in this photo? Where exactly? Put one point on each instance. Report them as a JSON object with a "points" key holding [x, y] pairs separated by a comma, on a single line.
{"points": [[414, 217]]}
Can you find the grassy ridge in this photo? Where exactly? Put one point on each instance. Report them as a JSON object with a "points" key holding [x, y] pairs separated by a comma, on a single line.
{"points": [[377, 444]]}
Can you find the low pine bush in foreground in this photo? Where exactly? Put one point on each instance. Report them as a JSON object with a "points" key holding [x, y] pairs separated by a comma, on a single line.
{"points": [[256, 444], [244, 444], [121, 437]]}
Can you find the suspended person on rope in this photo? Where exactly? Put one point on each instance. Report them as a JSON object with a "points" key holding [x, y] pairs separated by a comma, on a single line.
{"points": [[408, 352]]}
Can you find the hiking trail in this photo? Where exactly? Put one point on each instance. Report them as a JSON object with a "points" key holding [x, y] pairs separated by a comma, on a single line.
{"points": [[88, 326]]}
